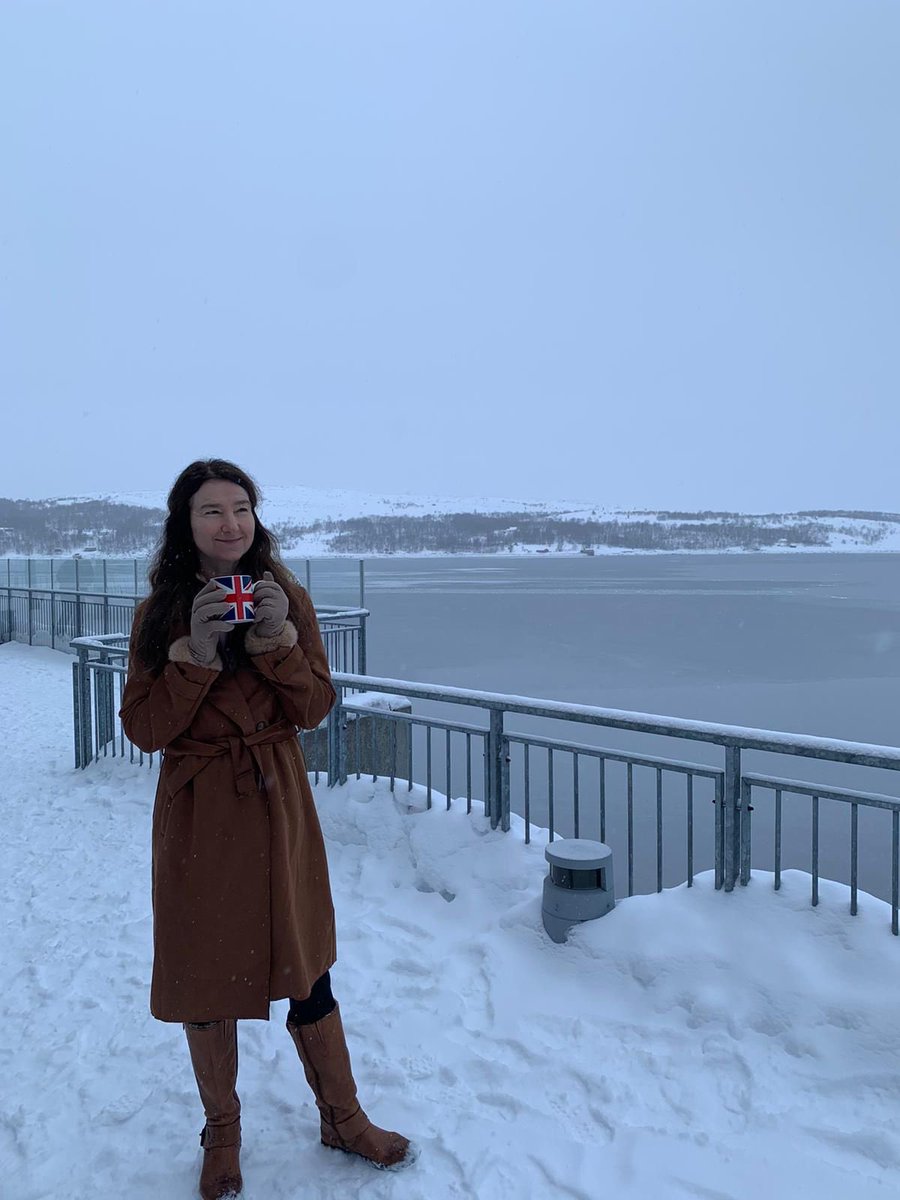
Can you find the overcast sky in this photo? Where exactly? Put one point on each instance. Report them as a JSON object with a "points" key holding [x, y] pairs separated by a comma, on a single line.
{"points": [[640, 253]]}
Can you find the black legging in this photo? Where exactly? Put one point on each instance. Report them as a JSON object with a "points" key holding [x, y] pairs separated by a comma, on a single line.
{"points": [[318, 1004]]}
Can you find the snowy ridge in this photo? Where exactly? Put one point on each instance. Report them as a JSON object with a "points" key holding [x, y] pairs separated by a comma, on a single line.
{"points": [[302, 506], [690, 1044]]}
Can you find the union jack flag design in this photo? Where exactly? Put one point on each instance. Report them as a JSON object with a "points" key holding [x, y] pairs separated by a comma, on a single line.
{"points": [[240, 596]]}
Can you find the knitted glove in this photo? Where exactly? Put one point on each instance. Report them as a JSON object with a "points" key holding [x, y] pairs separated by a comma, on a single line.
{"points": [[209, 604], [270, 606]]}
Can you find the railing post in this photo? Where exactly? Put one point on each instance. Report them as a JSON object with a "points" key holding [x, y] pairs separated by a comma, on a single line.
{"points": [[719, 835], [106, 717], [732, 838], [30, 618], [337, 751], [504, 783], [105, 599], [52, 609], [361, 650], [494, 798], [362, 584], [746, 810], [79, 631], [76, 711], [84, 749], [308, 577]]}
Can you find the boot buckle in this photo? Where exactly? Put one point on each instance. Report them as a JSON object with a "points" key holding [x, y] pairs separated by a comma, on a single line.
{"points": [[217, 1137]]}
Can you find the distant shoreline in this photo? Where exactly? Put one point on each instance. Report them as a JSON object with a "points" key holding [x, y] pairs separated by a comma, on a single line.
{"points": [[288, 553], [386, 528]]}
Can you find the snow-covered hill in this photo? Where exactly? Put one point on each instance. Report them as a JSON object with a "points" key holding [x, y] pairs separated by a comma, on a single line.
{"points": [[304, 505], [299, 505], [565, 526]]}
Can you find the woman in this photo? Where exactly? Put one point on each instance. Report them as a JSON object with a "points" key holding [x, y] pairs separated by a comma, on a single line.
{"points": [[242, 911]]}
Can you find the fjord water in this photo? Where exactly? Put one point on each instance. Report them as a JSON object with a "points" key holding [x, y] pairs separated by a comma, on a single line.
{"points": [[808, 643]]}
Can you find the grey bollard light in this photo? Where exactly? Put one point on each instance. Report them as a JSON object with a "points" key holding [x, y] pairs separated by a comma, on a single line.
{"points": [[579, 885]]}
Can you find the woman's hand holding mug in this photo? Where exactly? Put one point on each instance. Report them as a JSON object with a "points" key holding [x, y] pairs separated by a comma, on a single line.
{"points": [[208, 606], [270, 606]]}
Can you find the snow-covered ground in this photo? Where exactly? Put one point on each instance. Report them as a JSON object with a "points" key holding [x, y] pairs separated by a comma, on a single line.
{"points": [[692, 1044]]}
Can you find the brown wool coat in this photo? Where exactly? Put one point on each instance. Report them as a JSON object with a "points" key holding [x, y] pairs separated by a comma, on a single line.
{"points": [[242, 910]]}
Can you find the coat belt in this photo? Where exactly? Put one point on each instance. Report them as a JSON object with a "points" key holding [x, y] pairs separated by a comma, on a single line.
{"points": [[188, 756]]}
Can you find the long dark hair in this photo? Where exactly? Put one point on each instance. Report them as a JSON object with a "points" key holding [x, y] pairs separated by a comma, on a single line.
{"points": [[173, 570]]}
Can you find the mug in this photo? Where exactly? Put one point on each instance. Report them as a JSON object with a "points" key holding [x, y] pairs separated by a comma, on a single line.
{"points": [[240, 597]]}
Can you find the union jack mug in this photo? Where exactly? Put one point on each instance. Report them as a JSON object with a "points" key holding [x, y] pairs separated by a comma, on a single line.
{"points": [[240, 597]]}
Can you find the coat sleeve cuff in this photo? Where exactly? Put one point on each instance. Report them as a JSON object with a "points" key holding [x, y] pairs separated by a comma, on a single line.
{"points": [[180, 652], [254, 644]]}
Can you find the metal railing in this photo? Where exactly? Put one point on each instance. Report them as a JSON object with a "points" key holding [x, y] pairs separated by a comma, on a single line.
{"points": [[122, 576], [98, 677], [60, 619], [732, 788], [98, 684], [55, 618], [644, 805], [815, 793], [333, 576]]}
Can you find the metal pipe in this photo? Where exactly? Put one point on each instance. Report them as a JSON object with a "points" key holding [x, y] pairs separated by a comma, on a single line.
{"points": [[719, 802], [629, 774], [690, 830], [576, 822], [493, 801], [659, 831], [550, 791], [428, 765], [732, 806], [527, 772], [468, 772], [895, 868], [860, 753], [602, 799], [504, 784], [745, 832], [374, 751], [393, 729]]}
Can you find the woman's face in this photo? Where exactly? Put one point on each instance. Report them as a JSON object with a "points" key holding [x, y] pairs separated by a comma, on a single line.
{"points": [[222, 525]]}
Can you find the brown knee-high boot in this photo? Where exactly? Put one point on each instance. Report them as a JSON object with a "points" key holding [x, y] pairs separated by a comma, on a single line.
{"points": [[344, 1125], [213, 1047]]}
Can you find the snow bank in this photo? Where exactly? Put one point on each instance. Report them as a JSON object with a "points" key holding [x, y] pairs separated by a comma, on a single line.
{"points": [[693, 1044]]}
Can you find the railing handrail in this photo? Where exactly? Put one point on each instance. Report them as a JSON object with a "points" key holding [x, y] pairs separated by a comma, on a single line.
{"points": [[96, 559], [331, 611], [743, 737], [102, 641], [98, 641], [78, 593], [800, 787], [82, 621]]}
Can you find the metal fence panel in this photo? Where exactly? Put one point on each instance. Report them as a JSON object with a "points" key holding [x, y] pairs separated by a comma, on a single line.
{"points": [[630, 799]]}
